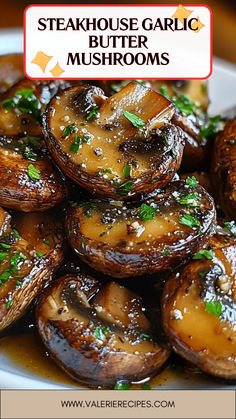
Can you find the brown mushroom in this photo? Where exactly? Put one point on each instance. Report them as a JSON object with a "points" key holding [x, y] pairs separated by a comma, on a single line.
{"points": [[106, 144], [22, 106], [11, 70], [129, 239], [199, 306], [28, 179], [26, 265], [99, 334], [223, 169]]}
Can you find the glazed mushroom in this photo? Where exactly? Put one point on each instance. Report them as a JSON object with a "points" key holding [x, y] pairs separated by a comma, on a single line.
{"points": [[99, 334], [28, 179], [223, 169], [24, 269], [199, 308], [11, 70], [122, 145], [22, 106], [129, 239]]}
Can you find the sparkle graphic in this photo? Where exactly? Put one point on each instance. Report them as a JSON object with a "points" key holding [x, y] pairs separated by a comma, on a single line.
{"points": [[41, 60], [57, 70], [181, 13], [197, 24]]}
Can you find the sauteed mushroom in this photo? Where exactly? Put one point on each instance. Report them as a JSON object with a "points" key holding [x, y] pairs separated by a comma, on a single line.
{"points": [[223, 169], [28, 179], [11, 70], [114, 146], [99, 334], [23, 268], [156, 233], [199, 306]]}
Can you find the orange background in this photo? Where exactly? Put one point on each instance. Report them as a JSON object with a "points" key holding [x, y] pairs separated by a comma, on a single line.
{"points": [[224, 20]]}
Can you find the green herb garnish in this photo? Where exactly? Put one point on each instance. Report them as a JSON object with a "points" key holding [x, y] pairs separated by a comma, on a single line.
{"points": [[214, 307], [211, 127], [9, 303], [191, 182], [147, 212], [231, 226], [184, 104], [126, 171], [33, 173], [16, 234], [68, 130], [26, 102], [203, 253], [145, 336], [5, 246], [135, 120], [122, 386], [3, 255], [146, 386], [202, 274], [93, 113], [47, 242], [4, 276], [190, 200], [125, 188], [40, 254], [15, 260], [165, 252], [100, 333], [163, 91], [87, 205], [189, 221], [75, 145]]}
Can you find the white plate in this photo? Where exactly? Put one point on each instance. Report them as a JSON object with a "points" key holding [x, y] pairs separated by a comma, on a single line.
{"points": [[222, 88]]}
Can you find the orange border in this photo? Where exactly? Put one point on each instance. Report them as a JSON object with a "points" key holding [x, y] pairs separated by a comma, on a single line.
{"points": [[117, 5]]}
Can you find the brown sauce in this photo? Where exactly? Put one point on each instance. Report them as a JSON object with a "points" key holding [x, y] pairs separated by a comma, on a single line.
{"points": [[27, 353]]}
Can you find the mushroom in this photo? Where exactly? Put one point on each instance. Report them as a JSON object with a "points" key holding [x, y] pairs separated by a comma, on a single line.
{"points": [[22, 106], [26, 265], [28, 179], [223, 169], [138, 238], [199, 308], [110, 144], [11, 70], [99, 334]]}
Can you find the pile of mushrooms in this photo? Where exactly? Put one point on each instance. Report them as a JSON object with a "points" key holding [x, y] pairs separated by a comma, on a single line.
{"points": [[120, 174]]}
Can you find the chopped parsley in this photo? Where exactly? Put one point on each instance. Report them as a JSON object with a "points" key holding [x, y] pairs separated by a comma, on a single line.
{"points": [[145, 336], [100, 333], [146, 386], [164, 135], [122, 386], [26, 102], [125, 188], [47, 242], [87, 205], [189, 221], [15, 260], [184, 104], [4, 276], [68, 130], [30, 146], [85, 139], [191, 182], [135, 120], [40, 254], [126, 171], [9, 303], [147, 212], [3, 256], [231, 226], [165, 252], [93, 113], [203, 253], [211, 127], [75, 145], [33, 172], [5, 246], [116, 87], [214, 307], [16, 234], [190, 200]]}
